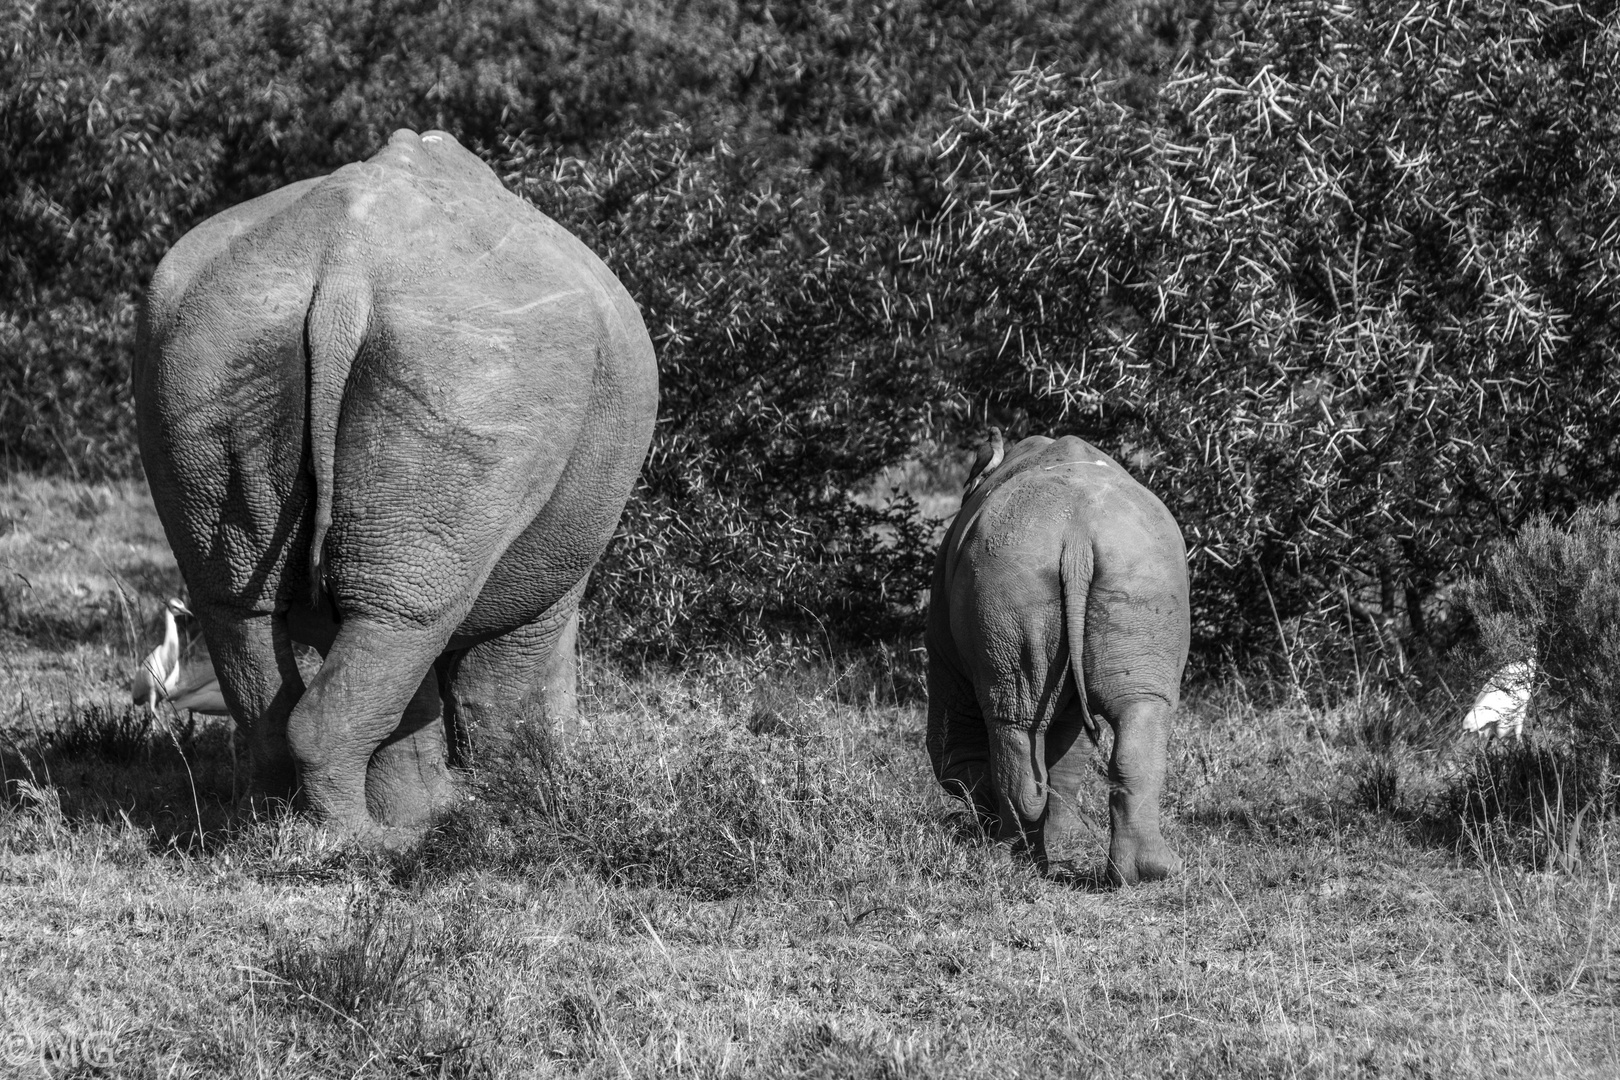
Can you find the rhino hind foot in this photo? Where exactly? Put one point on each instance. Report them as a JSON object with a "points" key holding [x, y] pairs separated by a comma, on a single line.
{"points": [[417, 805], [1135, 862]]}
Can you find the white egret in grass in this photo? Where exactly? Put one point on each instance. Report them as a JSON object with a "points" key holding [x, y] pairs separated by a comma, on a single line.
{"points": [[159, 673], [169, 673], [185, 680]]}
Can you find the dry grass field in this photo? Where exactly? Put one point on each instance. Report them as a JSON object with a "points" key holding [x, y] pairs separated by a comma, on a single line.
{"points": [[744, 870]]}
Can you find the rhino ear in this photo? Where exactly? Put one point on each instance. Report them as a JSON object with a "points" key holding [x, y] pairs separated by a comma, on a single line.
{"points": [[1018, 765]]}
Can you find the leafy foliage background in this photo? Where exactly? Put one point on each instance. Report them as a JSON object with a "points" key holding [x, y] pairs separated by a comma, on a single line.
{"points": [[1336, 279], [1343, 291]]}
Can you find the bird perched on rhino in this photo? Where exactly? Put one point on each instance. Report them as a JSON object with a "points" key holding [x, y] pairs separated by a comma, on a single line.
{"points": [[1499, 709], [988, 458], [1059, 598], [393, 413]]}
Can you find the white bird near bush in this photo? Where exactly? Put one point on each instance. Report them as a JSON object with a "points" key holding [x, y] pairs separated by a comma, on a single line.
{"points": [[1499, 709], [159, 673]]}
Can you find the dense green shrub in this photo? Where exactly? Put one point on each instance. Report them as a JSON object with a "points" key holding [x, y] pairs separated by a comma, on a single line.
{"points": [[1552, 594], [95, 182], [1344, 292]]}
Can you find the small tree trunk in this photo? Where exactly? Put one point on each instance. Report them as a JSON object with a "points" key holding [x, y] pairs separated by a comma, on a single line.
{"points": [[1414, 614], [1386, 620]]}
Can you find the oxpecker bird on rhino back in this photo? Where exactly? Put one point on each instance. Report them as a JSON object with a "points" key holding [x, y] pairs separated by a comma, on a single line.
{"points": [[393, 413], [1059, 597]]}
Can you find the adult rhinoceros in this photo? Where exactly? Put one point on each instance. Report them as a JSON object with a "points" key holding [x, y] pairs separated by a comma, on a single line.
{"points": [[394, 413], [1059, 595]]}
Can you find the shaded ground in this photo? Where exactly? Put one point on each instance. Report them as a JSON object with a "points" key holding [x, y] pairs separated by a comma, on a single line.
{"points": [[744, 870]]}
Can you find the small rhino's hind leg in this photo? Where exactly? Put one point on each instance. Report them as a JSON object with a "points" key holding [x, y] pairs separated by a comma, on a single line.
{"points": [[1064, 831], [959, 744], [1137, 850]]}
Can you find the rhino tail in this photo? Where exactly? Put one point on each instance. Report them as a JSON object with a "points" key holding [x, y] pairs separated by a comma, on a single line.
{"points": [[334, 333], [1074, 576]]}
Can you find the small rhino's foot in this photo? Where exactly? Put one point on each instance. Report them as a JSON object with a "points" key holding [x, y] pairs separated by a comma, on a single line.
{"points": [[1132, 860], [1063, 846]]}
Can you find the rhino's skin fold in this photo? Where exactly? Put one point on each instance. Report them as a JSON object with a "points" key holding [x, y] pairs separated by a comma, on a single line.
{"points": [[394, 413], [1059, 596]]}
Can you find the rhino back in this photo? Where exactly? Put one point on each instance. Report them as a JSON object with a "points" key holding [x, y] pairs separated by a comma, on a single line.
{"points": [[1001, 566]]}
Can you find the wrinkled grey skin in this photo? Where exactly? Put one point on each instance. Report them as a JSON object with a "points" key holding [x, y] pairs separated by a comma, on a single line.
{"points": [[1059, 546], [393, 413]]}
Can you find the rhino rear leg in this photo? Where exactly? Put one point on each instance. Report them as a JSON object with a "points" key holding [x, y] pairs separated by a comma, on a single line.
{"points": [[959, 743], [1066, 835], [1137, 850], [259, 678], [521, 684], [409, 780], [372, 673]]}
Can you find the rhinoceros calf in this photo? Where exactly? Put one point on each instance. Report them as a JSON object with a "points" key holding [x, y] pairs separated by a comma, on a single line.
{"points": [[1059, 596], [394, 413]]}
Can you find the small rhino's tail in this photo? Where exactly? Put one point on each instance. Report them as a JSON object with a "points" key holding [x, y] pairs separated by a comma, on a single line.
{"points": [[1074, 575], [334, 333]]}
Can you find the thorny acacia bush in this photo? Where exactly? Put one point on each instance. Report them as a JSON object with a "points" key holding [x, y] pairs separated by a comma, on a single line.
{"points": [[1344, 293], [784, 378]]}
